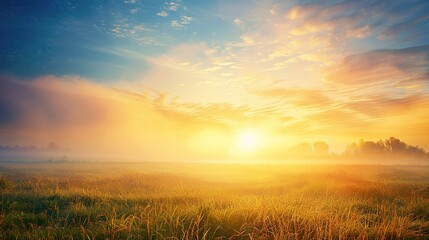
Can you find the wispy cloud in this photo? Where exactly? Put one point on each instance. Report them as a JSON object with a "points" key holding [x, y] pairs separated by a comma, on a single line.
{"points": [[388, 65], [91, 117], [298, 96], [379, 105], [387, 20], [126, 30], [237, 21], [175, 24], [186, 19], [172, 6], [162, 14], [182, 22]]}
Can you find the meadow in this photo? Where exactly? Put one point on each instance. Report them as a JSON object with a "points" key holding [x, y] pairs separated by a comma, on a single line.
{"points": [[212, 201]]}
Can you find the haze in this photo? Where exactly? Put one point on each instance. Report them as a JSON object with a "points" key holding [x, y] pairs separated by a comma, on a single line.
{"points": [[195, 80]]}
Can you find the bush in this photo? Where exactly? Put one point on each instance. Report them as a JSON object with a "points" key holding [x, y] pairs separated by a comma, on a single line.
{"points": [[4, 184]]}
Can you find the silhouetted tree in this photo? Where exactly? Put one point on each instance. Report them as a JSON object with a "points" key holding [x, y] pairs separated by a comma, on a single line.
{"points": [[370, 147], [395, 145], [320, 148], [391, 147], [53, 147], [18, 148], [351, 149]]}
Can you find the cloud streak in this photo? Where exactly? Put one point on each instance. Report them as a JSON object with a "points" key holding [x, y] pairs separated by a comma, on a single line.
{"points": [[401, 66], [84, 117], [90, 118]]}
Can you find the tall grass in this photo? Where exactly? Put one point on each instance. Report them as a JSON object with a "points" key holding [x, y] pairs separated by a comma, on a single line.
{"points": [[191, 201]]}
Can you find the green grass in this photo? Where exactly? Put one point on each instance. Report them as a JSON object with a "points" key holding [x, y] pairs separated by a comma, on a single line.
{"points": [[202, 201]]}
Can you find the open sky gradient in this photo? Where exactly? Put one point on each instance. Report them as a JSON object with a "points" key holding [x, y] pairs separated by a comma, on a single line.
{"points": [[164, 79]]}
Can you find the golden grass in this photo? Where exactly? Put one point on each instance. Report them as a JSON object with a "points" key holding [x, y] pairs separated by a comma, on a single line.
{"points": [[202, 201]]}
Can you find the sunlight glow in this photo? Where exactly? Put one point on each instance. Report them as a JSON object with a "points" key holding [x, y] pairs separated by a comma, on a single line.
{"points": [[252, 80], [247, 143]]}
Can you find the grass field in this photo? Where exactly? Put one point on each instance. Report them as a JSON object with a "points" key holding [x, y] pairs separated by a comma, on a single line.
{"points": [[209, 201]]}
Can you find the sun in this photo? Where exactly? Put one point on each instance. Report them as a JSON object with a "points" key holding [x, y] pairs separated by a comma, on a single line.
{"points": [[247, 141]]}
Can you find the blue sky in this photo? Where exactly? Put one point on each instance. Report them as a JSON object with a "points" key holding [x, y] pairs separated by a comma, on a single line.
{"points": [[303, 69], [68, 37]]}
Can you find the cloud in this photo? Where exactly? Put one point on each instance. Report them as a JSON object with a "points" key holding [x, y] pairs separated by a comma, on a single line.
{"points": [[273, 10], [302, 47], [185, 20], [368, 119], [88, 118], [169, 7], [389, 20], [179, 24], [124, 25], [407, 65], [43, 110], [317, 35], [338, 25], [382, 105], [199, 80], [407, 31], [337, 122], [128, 30], [94, 120], [173, 6], [299, 97], [162, 14], [175, 24], [303, 11], [237, 22], [359, 32]]}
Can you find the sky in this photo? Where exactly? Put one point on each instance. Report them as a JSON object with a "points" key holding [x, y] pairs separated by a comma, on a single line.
{"points": [[188, 79]]}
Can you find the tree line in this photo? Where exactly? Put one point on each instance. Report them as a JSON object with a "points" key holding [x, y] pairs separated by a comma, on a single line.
{"points": [[391, 147]]}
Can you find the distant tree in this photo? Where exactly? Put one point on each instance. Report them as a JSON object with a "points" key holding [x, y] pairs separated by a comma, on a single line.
{"points": [[52, 147], [370, 147], [351, 149], [395, 145], [18, 148], [391, 147], [4, 184], [320, 148]]}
